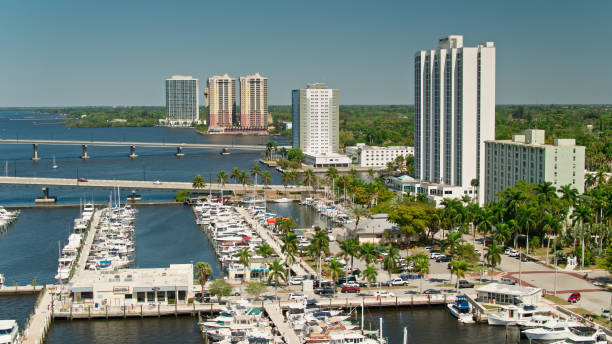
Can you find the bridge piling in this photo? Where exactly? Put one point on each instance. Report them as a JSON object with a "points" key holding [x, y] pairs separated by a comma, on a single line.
{"points": [[35, 157], [179, 152], [133, 154], [84, 156]]}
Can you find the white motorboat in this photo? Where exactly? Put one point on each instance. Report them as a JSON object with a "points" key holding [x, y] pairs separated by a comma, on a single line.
{"points": [[282, 200], [461, 309], [554, 330], [54, 164], [9, 332], [514, 315], [584, 335], [1, 280]]}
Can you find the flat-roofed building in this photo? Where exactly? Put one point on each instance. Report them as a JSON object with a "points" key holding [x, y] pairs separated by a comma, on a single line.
{"points": [[254, 102], [220, 96], [375, 156], [315, 117], [527, 157], [182, 104]]}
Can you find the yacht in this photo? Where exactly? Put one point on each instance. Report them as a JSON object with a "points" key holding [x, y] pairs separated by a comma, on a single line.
{"points": [[461, 309], [584, 335], [9, 332], [554, 330], [514, 315], [283, 200]]}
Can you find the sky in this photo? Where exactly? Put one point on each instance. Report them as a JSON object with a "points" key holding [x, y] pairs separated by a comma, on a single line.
{"points": [[81, 52]]}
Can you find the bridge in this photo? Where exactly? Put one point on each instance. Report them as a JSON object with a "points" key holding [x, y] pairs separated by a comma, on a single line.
{"points": [[138, 184], [132, 145]]}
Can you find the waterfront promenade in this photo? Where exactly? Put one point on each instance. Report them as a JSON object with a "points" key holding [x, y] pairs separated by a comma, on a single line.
{"points": [[139, 184], [300, 268]]}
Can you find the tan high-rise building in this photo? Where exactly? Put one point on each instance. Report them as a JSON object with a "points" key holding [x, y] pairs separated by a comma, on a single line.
{"points": [[253, 101], [220, 94]]}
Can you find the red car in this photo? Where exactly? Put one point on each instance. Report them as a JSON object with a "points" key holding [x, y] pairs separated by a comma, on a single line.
{"points": [[575, 297], [81, 179], [350, 288]]}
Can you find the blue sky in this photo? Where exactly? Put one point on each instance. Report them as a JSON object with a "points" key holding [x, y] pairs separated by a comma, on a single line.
{"points": [[56, 53]]}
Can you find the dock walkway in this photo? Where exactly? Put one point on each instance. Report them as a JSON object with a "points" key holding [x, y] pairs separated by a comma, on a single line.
{"points": [[283, 327], [91, 234], [301, 268], [20, 289], [39, 322]]}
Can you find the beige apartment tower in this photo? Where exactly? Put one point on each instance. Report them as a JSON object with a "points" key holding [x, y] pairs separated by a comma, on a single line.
{"points": [[220, 95], [253, 102]]}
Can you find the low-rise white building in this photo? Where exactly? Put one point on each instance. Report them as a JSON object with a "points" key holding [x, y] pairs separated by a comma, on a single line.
{"points": [[435, 192], [133, 286], [326, 160], [505, 294], [378, 229], [376, 156]]}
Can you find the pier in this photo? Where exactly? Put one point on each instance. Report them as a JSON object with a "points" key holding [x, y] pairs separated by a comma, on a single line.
{"points": [[139, 184], [20, 289], [86, 247]]}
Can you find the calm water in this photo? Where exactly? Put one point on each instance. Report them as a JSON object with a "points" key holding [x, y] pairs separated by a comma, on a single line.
{"points": [[164, 234], [112, 162]]}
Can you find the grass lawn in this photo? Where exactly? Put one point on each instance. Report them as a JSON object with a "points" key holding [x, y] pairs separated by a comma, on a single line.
{"points": [[445, 285], [599, 320], [490, 307], [556, 300]]}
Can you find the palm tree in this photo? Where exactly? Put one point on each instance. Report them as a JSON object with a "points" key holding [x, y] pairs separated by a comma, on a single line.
{"points": [[371, 174], [546, 191], [493, 255], [222, 178], [266, 178], [485, 224], [277, 273], [235, 175], [294, 175], [452, 242], [289, 240], [582, 214], [275, 147], [265, 251], [203, 273], [243, 259], [269, 147], [390, 260], [244, 179], [334, 269], [198, 182], [331, 173], [368, 252], [569, 194], [502, 233], [474, 183], [370, 273], [289, 260], [350, 248], [358, 212], [549, 224], [527, 219], [286, 179], [421, 265], [319, 245], [390, 167], [458, 267], [309, 178], [255, 172]]}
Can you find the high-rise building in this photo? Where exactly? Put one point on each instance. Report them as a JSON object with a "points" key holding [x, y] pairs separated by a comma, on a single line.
{"points": [[253, 102], [220, 96], [315, 117], [182, 106], [454, 99], [527, 157]]}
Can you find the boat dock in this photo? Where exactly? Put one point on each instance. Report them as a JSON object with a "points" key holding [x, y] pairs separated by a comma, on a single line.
{"points": [[38, 324], [300, 268], [20, 289], [91, 234], [274, 313]]}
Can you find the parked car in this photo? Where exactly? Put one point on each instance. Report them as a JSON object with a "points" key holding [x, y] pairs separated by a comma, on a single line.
{"points": [[297, 280], [297, 296], [434, 255], [350, 288], [399, 282], [575, 297], [325, 291], [347, 279], [429, 248], [605, 314], [465, 284], [506, 280], [383, 293], [443, 259], [82, 180], [432, 291]]}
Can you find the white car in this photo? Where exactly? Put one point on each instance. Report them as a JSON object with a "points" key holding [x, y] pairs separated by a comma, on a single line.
{"points": [[383, 293], [297, 281], [398, 282], [297, 296], [157, 182], [429, 248], [435, 255]]}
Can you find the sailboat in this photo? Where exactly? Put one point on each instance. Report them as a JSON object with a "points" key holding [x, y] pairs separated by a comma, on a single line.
{"points": [[54, 164]]}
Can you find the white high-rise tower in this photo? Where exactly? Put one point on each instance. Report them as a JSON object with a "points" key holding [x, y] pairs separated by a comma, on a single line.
{"points": [[454, 98], [182, 105]]}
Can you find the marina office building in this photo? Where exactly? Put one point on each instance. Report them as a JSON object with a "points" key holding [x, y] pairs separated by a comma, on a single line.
{"points": [[133, 286], [315, 113], [527, 157], [182, 104], [454, 116]]}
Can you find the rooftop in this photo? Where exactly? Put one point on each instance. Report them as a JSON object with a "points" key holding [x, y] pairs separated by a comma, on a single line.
{"points": [[507, 289], [181, 77], [172, 275], [375, 224]]}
